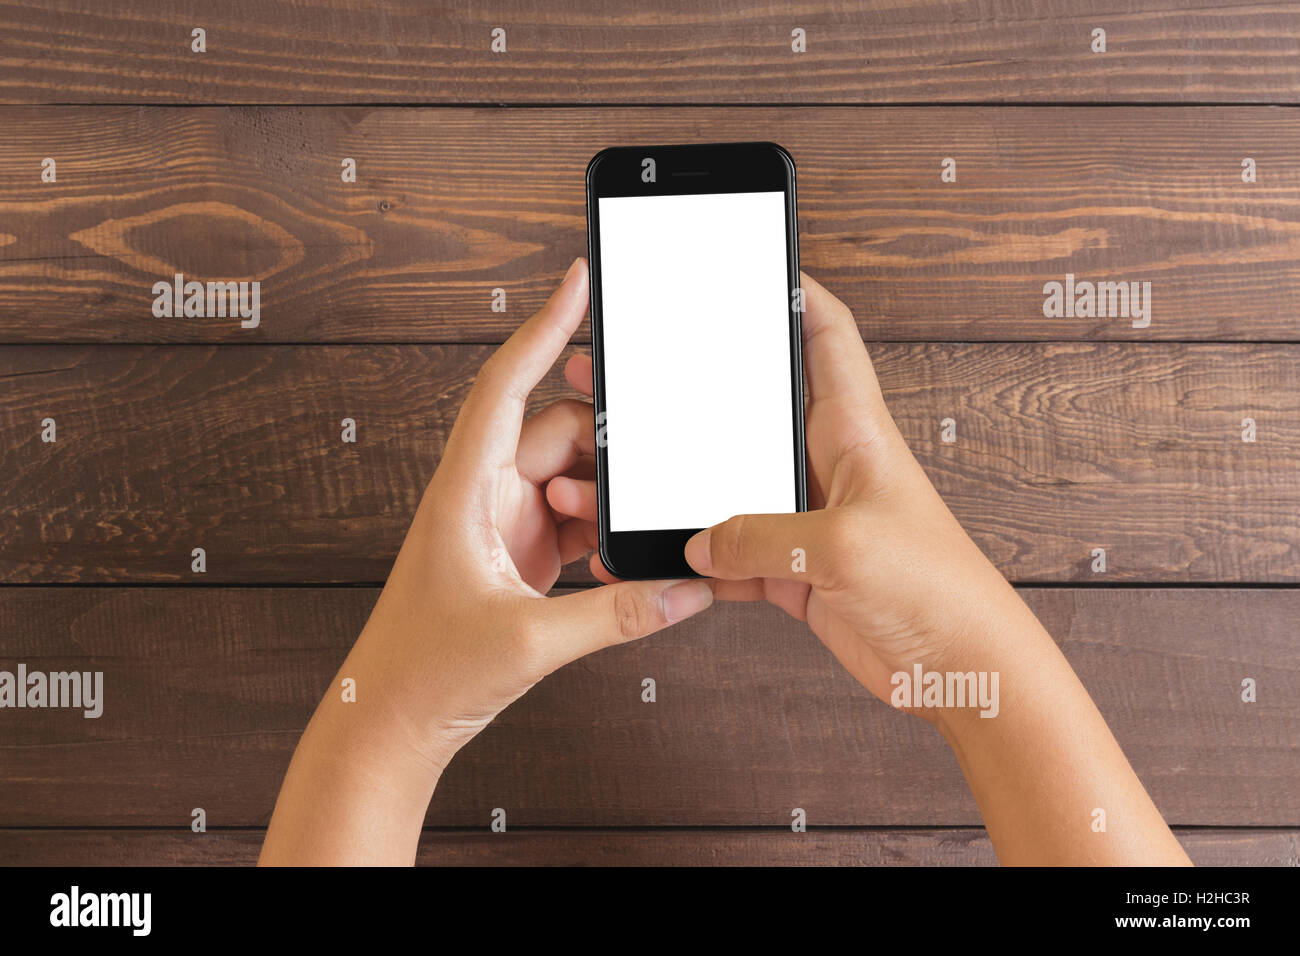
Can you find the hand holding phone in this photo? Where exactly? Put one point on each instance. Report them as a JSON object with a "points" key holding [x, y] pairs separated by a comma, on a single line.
{"points": [[696, 345], [879, 567]]}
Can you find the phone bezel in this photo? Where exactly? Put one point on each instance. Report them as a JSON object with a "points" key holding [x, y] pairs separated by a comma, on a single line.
{"points": [[684, 170]]}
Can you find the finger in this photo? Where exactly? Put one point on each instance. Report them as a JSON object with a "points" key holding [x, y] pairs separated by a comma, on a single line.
{"points": [[834, 356], [789, 596], [573, 498], [575, 538], [844, 393], [816, 497], [578, 624], [600, 572], [794, 547], [553, 440], [493, 413], [579, 374], [751, 589]]}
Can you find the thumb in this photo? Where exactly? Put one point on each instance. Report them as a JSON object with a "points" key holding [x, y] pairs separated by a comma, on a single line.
{"points": [[760, 546], [615, 613]]}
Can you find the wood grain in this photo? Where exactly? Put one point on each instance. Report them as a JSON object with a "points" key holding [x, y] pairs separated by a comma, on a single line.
{"points": [[1072, 433], [675, 52], [1061, 448], [453, 203], [207, 690], [616, 847]]}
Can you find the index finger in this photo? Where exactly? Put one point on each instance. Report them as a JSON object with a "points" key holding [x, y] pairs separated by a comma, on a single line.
{"points": [[493, 413], [847, 416], [834, 354]]}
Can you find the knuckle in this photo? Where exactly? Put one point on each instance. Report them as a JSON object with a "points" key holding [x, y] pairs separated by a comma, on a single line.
{"points": [[841, 540], [841, 544], [843, 314], [729, 546], [630, 613], [498, 378], [530, 646], [576, 413]]}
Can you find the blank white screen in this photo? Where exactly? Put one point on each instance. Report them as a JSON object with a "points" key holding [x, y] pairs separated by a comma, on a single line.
{"points": [[695, 320]]}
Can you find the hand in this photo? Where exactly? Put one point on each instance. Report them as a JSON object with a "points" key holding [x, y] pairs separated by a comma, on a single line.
{"points": [[462, 627], [890, 579]]}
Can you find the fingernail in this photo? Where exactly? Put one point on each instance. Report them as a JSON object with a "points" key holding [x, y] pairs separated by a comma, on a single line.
{"points": [[573, 268], [684, 599], [697, 552]]}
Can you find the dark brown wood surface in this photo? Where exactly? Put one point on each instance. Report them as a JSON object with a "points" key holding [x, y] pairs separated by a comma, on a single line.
{"points": [[675, 52], [207, 690], [376, 304], [1061, 448], [661, 846], [450, 204]]}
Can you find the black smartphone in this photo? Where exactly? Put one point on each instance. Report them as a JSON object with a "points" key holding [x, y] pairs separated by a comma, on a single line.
{"points": [[695, 324]]}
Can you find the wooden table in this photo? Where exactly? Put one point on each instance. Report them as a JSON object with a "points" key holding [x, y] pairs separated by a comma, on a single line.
{"points": [[1171, 158]]}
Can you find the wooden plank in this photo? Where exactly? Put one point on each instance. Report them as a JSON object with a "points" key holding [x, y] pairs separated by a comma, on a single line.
{"points": [[616, 847], [206, 691], [453, 203], [678, 52], [1061, 449]]}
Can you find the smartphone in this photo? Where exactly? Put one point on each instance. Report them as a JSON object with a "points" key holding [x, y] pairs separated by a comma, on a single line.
{"points": [[696, 345]]}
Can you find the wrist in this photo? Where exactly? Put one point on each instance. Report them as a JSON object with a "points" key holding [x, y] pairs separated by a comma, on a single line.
{"points": [[393, 711], [1001, 651], [348, 797], [367, 743], [374, 721]]}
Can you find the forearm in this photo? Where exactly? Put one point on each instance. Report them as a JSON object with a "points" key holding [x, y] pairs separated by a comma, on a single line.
{"points": [[1042, 768], [357, 790]]}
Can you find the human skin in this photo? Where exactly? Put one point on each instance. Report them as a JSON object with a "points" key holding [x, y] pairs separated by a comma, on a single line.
{"points": [[890, 581], [462, 627]]}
